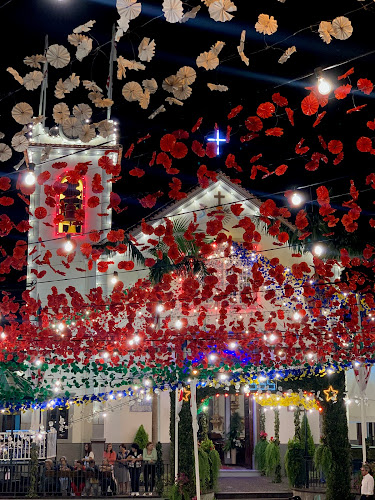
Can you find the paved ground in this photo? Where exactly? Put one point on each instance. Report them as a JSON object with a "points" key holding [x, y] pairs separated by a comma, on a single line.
{"points": [[252, 484]]}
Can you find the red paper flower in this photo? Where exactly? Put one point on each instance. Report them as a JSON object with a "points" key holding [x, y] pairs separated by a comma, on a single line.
{"points": [[364, 85], [97, 184], [40, 212], [149, 201], [129, 151], [310, 105], [128, 265], [198, 149], [357, 108], [275, 131], [211, 149], [59, 164], [167, 142], [94, 236], [254, 124], [265, 110], [335, 147], [181, 134], [137, 172], [371, 125], [198, 123], [343, 91], [102, 267], [5, 201], [150, 262], [43, 177], [86, 249], [364, 144], [114, 200], [319, 118], [236, 209], [234, 112], [338, 158], [281, 169], [279, 99], [345, 75], [93, 201], [290, 115], [283, 237], [4, 183], [179, 150]]}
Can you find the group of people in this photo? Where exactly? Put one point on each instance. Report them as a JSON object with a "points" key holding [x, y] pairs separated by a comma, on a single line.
{"points": [[114, 475]]}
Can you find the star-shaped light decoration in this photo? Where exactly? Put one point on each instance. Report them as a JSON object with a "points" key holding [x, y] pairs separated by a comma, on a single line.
{"points": [[186, 395], [331, 394]]}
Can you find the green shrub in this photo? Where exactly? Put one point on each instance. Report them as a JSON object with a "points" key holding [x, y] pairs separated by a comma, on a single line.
{"points": [[141, 438], [207, 445], [260, 455], [215, 464], [323, 459], [272, 457], [204, 470], [159, 469], [307, 441], [294, 463]]}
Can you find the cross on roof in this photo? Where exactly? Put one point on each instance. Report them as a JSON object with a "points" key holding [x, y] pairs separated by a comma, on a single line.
{"points": [[219, 196]]}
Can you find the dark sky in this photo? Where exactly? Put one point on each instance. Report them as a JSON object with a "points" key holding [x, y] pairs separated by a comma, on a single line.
{"points": [[178, 45]]}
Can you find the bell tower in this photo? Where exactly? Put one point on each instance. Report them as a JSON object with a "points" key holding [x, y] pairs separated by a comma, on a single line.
{"points": [[70, 198]]}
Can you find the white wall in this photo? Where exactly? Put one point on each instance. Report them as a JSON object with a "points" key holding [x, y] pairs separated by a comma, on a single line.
{"points": [[287, 424]]}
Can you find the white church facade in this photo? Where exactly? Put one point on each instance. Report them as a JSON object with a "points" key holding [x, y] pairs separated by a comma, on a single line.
{"points": [[117, 421]]}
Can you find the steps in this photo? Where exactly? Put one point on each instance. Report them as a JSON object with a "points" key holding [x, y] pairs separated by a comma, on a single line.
{"points": [[260, 495], [240, 472]]}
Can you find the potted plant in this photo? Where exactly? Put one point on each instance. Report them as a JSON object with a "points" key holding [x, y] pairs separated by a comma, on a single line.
{"points": [[233, 437]]}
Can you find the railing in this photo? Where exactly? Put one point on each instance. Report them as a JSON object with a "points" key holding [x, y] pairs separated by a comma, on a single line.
{"points": [[16, 480], [16, 445]]}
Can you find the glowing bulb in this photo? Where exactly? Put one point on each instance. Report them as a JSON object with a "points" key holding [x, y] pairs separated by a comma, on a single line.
{"points": [[104, 415], [61, 326], [318, 250], [137, 338], [262, 379], [159, 308], [30, 179], [178, 323], [233, 345], [38, 362], [68, 246], [223, 376], [272, 337], [114, 278], [212, 357], [296, 316], [3, 336], [324, 86], [296, 199], [105, 355]]}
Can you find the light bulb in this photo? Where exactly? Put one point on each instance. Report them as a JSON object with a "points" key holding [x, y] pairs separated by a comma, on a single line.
{"points": [[61, 327], [296, 199], [318, 250], [30, 179], [324, 86], [212, 357], [178, 323], [232, 345], [272, 337], [114, 278], [296, 316], [159, 308]]}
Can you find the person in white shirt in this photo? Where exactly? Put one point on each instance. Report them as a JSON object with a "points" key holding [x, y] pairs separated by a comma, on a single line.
{"points": [[367, 486]]}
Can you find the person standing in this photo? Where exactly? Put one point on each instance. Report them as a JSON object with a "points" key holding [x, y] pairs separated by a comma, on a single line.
{"points": [[89, 455], [135, 465], [110, 454], [122, 470], [149, 458], [367, 486]]}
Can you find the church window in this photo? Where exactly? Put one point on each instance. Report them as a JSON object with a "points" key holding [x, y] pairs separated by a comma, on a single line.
{"points": [[71, 201]]}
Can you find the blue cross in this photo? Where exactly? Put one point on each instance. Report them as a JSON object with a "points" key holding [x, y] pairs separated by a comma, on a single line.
{"points": [[218, 140]]}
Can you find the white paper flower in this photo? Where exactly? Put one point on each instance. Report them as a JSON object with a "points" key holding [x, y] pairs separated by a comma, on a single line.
{"points": [[182, 92], [84, 48], [325, 31], [191, 14], [173, 10], [75, 39], [150, 85], [132, 91], [89, 85], [219, 88], [32, 80], [71, 82], [5, 152], [187, 75], [287, 54], [121, 68], [87, 133], [266, 24], [144, 101], [84, 27], [105, 128], [34, 61], [342, 28], [60, 112], [82, 112], [15, 75], [71, 127], [171, 83], [220, 10], [128, 9], [60, 89], [207, 60], [173, 100], [22, 113], [19, 142], [146, 50], [58, 56]]}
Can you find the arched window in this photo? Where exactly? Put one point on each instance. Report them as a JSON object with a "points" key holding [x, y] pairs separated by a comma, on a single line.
{"points": [[70, 201]]}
